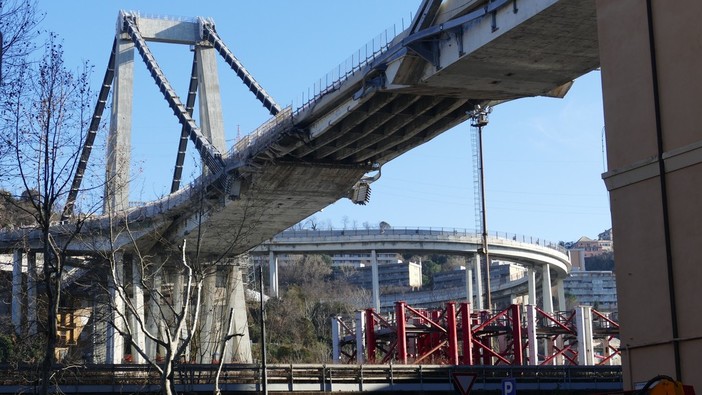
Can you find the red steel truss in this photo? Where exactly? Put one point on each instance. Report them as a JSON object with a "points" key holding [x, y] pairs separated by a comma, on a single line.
{"points": [[517, 335]]}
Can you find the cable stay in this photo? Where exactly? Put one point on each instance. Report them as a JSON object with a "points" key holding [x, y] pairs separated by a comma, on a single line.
{"points": [[183, 144], [90, 137], [211, 35]]}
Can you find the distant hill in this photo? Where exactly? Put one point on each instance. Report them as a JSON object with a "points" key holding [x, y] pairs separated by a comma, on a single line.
{"points": [[14, 212]]}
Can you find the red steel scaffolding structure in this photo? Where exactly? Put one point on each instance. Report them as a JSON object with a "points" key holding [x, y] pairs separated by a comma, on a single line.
{"points": [[456, 335]]}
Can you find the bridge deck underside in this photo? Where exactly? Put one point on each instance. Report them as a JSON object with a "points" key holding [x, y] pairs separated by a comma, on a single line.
{"points": [[531, 58], [383, 127], [274, 197]]}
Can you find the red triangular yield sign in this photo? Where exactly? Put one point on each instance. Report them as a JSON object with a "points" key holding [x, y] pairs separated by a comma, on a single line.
{"points": [[463, 381]]}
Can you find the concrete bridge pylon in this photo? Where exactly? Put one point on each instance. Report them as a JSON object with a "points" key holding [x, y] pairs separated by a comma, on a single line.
{"points": [[218, 302]]}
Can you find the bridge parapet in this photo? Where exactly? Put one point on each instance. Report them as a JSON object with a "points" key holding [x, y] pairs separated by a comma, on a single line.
{"points": [[502, 238]]}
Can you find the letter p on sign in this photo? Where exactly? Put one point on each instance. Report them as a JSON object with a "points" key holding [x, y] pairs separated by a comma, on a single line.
{"points": [[509, 387]]}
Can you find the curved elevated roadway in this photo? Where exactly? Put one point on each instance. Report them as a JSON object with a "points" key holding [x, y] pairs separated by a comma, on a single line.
{"points": [[539, 256]]}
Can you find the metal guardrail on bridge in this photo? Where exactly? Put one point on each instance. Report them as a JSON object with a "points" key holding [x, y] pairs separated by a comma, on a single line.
{"points": [[314, 378]]}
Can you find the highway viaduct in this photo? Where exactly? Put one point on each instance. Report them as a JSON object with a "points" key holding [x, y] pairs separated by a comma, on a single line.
{"points": [[454, 56], [549, 260]]}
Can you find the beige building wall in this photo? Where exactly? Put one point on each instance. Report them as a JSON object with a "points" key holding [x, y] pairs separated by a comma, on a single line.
{"points": [[653, 120]]}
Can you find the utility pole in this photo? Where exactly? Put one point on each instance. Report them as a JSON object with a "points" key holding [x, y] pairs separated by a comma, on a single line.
{"points": [[479, 119], [264, 372]]}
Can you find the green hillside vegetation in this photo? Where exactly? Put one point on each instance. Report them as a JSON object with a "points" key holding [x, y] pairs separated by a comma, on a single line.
{"points": [[14, 211], [298, 324]]}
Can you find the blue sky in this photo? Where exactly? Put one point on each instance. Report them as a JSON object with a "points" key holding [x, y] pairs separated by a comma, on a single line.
{"points": [[543, 156]]}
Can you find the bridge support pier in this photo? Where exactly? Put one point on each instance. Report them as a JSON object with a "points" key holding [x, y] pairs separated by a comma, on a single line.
{"points": [[32, 293], [153, 318], [138, 335], [583, 325], [547, 306], [273, 275], [531, 282], [478, 282], [531, 334], [238, 349], [375, 280], [336, 338], [178, 292], [17, 294], [546, 288], [360, 338], [114, 341], [469, 284], [207, 339]]}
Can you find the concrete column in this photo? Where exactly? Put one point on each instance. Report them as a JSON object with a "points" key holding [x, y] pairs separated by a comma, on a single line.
{"points": [[376, 281], [469, 284], [115, 341], [583, 325], [239, 348], [208, 340], [478, 283], [138, 317], [561, 295], [273, 275], [531, 280], [531, 335], [178, 303], [360, 338], [336, 337], [17, 294], [119, 138], [32, 292], [210, 109], [546, 288], [153, 313]]}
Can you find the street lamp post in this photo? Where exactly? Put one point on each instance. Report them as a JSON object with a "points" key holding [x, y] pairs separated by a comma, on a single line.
{"points": [[479, 119]]}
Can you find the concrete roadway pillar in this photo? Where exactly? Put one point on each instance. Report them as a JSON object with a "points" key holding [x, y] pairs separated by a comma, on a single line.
{"points": [[336, 337], [478, 283], [239, 347], [178, 303], [531, 335], [115, 341], [376, 281], [207, 339], [32, 292], [360, 338], [583, 324], [153, 316], [138, 317], [531, 280], [17, 294], [469, 284], [119, 138], [547, 305], [546, 287], [273, 275]]}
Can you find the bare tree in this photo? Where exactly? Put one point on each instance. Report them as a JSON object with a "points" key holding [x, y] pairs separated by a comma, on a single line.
{"points": [[168, 307], [178, 320], [18, 30], [47, 112]]}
